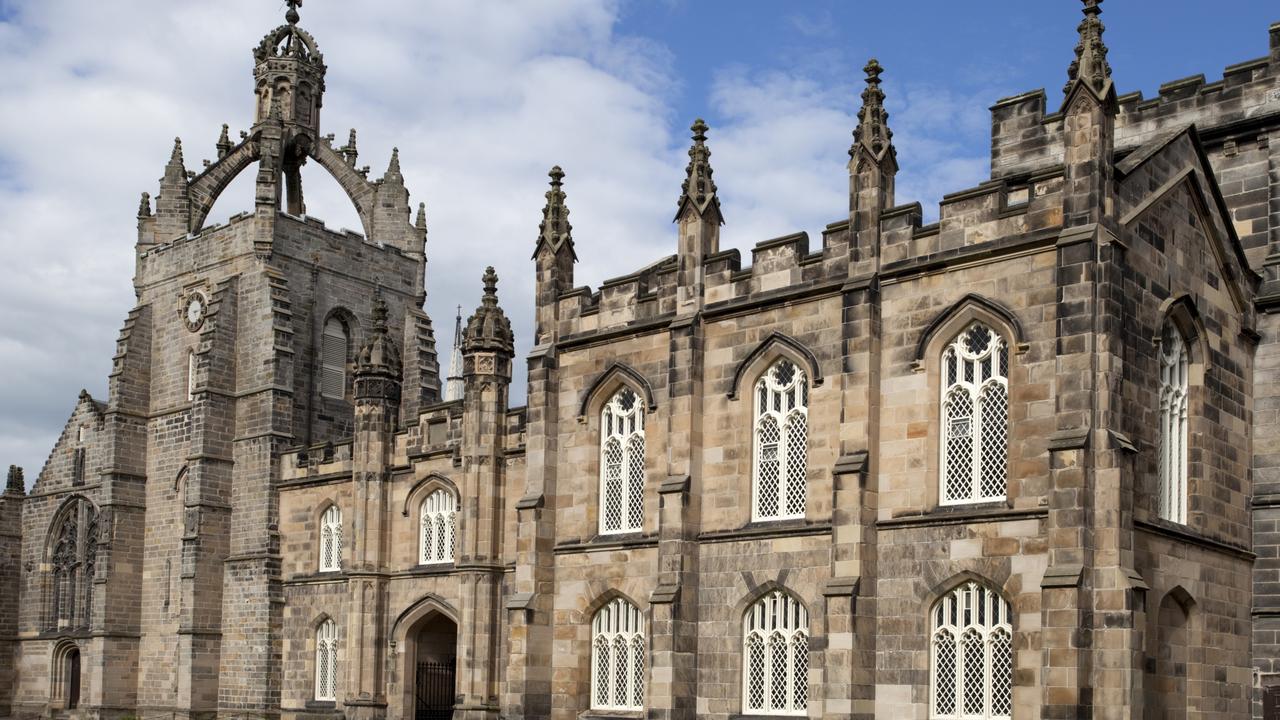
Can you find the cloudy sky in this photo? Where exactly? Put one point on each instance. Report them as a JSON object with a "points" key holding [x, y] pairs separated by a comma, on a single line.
{"points": [[482, 97]]}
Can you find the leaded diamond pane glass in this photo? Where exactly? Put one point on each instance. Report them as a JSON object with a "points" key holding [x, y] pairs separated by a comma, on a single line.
{"points": [[975, 417], [622, 464], [781, 443], [618, 657], [775, 664], [972, 678]]}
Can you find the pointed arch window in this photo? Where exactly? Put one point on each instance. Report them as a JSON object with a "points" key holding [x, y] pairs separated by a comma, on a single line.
{"points": [[331, 539], [779, 485], [975, 417], [971, 662], [622, 464], [333, 359], [775, 656], [617, 657], [327, 661], [72, 557], [1174, 365], [436, 526]]}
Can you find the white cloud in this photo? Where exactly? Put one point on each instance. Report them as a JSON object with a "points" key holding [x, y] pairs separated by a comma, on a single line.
{"points": [[480, 97]]}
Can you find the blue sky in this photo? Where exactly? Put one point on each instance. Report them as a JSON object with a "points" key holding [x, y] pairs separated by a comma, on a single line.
{"points": [[482, 97]]}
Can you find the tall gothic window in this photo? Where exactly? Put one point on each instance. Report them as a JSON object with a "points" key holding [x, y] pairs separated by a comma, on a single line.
{"points": [[72, 559], [775, 656], [617, 657], [622, 464], [331, 539], [436, 527], [327, 661], [972, 659], [1173, 425], [333, 359], [975, 417], [781, 443]]}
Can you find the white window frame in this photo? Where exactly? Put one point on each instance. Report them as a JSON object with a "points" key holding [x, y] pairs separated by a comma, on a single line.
{"points": [[776, 622], [331, 539], [618, 654], [781, 407], [973, 447], [1175, 365], [971, 613], [622, 472], [437, 527], [326, 686], [335, 347]]}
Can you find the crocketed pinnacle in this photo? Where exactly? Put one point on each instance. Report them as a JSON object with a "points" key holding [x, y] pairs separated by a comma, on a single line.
{"points": [[15, 485], [1090, 65], [393, 167], [224, 142], [379, 355], [144, 207], [489, 330], [873, 121], [421, 221], [555, 230], [698, 189]]}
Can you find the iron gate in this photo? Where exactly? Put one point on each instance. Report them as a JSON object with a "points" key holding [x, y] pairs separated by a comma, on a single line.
{"points": [[435, 690]]}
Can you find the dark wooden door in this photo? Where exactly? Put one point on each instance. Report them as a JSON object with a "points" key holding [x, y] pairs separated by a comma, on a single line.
{"points": [[73, 679], [435, 690], [1271, 703]]}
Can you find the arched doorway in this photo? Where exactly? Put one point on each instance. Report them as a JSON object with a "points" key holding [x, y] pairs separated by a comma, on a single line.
{"points": [[434, 664], [1168, 660], [65, 676]]}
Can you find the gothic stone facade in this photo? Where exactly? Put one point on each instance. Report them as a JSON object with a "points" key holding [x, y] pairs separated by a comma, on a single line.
{"points": [[734, 491]]}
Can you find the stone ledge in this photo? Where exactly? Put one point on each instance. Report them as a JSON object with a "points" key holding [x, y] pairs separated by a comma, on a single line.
{"points": [[598, 543], [766, 531], [1190, 536], [944, 516]]}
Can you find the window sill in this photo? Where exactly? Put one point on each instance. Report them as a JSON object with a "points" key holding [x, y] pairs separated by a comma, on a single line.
{"points": [[628, 541], [612, 715], [766, 530], [321, 704], [957, 514]]}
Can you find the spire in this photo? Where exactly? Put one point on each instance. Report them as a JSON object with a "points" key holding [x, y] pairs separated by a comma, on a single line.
{"points": [[555, 230], [489, 330], [421, 221], [873, 121], [454, 386], [1090, 65], [144, 207], [224, 142], [698, 189], [15, 485]]}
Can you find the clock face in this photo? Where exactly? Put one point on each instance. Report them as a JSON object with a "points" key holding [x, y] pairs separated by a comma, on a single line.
{"points": [[194, 313]]}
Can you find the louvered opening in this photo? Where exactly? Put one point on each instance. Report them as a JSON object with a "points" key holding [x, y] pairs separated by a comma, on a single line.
{"points": [[333, 360]]}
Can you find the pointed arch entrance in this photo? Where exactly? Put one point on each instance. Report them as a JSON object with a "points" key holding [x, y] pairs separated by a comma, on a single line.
{"points": [[428, 634]]}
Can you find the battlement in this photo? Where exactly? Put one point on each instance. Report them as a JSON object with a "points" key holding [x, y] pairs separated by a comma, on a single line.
{"points": [[1025, 138]]}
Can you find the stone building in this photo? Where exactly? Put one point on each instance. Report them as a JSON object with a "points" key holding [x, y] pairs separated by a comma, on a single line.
{"points": [[1023, 462]]}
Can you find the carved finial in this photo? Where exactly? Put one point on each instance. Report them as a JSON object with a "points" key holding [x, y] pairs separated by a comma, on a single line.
{"points": [[873, 121], [224, 142], [490, 280], [378, 357], [292, 16], [421, 221], [489, 329], [144, 207], [1091, 64], [16, 484], [555, 230], [698, 188]]}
